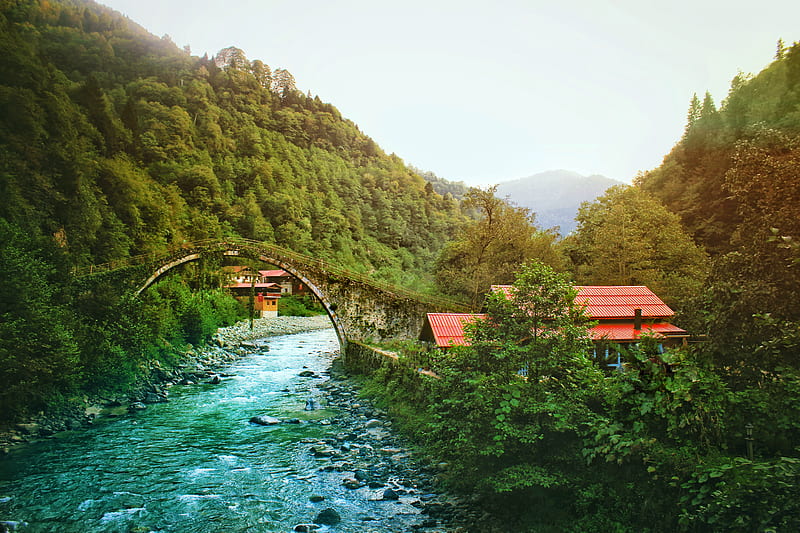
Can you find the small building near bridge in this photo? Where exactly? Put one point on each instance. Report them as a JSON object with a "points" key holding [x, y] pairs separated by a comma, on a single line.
{"points": [[245, 283]]}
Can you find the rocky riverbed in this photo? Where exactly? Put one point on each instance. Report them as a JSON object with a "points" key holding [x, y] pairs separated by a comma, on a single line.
{"points": [[367, 455], [358, 474]]}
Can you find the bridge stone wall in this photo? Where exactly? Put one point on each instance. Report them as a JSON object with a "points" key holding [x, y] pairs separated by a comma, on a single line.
{"points": [[369, 314]]}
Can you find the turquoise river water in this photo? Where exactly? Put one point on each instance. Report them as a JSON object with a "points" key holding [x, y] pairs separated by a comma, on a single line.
{"points": [[196, 464]]}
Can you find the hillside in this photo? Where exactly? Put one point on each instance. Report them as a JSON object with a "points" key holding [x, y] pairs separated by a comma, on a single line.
{"points": [[555, 195], [119, 143], [698, 179]]}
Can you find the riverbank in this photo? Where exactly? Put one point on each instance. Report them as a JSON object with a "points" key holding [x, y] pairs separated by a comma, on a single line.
{"points": [[270, 327], [196, 364]]}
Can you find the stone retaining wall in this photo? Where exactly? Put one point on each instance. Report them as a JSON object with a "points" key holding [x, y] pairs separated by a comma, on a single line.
{"points": [[364, 359]]}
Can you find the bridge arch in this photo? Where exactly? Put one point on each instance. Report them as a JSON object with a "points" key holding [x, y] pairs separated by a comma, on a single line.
{"points": [[361, 309], [260, 253]]}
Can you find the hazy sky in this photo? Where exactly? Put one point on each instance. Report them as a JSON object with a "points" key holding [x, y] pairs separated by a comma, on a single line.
{"points": [[491, 91]]}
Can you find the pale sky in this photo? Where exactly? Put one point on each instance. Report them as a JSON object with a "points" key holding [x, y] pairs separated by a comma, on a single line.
{"points": [[485, 91]]}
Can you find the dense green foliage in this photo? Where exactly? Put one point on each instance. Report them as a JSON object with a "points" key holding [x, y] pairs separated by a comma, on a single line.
{"points": [[63, 339], [299, 306], [692, 180], [569, 447]]}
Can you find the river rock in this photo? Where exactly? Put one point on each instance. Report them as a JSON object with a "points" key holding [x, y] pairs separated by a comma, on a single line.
{"points": [[264, 420], [322, 451], [311, 404], [136, 406], [306, 528], [328, 517], [215, 380], [390, 494], [152, 397], [350, 483], [316, 498], [28, 429], [373, 423]]}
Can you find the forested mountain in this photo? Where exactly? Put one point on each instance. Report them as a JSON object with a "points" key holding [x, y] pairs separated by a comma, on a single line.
{"points": [[555, 195], [696, 180], [117, 143]]}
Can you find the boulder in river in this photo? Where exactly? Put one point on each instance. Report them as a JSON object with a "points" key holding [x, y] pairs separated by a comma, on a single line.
{"points": [[264, 420], [153, 397], [306, 374], [350, 483], [311, 404], [328, 517], [390, 494]]}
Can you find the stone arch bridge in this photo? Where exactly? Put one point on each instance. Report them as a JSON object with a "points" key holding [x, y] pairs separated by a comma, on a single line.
{"points": [[361, 309]]}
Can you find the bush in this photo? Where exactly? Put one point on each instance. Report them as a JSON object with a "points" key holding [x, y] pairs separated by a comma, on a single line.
{"points": [[292, 305]]}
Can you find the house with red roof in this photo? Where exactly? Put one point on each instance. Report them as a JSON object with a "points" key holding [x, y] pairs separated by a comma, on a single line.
{"points": [[244, 281], [289, 284], [623, 313]]}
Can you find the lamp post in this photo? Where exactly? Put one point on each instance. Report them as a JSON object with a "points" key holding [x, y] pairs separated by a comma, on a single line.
{"points": [[749, 439]]}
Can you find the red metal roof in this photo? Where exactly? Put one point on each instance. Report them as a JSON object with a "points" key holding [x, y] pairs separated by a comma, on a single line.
{"points": [[619, 301], [614, 301], [625, 332], [274, 273], [448, 328]]}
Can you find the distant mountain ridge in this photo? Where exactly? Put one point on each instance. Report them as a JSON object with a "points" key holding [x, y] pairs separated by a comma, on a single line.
{"points": [[555, 195]]}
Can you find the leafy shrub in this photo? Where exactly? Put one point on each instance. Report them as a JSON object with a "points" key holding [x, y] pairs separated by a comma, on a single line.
{"points": [[292, 305]]}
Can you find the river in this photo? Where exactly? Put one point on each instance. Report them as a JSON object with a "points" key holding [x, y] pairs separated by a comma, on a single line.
{"points": [[197, 464]]}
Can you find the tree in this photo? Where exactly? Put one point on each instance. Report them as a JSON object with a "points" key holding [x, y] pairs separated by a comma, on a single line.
{"points": [[232, 57], [38, 354], [754, 289], [262, 73], [517, 397], [693, 114], [491, 249], [627, 237], [283, 82], [780, 50]]}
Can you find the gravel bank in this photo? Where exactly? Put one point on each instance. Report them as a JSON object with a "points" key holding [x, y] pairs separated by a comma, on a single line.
{"points": [[270, 327]]}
